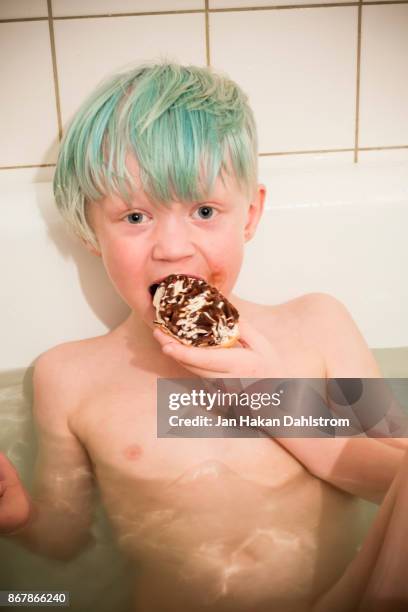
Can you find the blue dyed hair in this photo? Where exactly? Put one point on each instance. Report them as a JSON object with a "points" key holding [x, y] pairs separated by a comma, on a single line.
{"points": [[184, 125]]}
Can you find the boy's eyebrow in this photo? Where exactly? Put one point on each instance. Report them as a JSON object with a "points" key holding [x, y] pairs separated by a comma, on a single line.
{"points": [[138, 201], [119, 205]]}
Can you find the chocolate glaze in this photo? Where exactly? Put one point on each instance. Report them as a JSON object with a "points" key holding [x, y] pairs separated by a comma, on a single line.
{"points": [[195, 312]]}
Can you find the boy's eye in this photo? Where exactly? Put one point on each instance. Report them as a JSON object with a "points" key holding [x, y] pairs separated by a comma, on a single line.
{"points": [[135, 218], [206, 212]]}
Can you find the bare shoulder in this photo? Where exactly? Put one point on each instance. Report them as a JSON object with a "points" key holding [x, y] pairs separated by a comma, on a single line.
{"points": [[68, 356], [62, 376], [325, 321]]}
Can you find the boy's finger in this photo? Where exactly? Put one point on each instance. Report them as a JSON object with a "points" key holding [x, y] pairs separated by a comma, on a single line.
{"points": [[197, 369], [214, 359], [211, 359], [163, 338], [250, 336], [201, 372], [7, 470]]}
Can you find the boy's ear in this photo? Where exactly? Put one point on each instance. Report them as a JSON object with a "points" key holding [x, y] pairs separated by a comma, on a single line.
{"points": [[255, 211]]}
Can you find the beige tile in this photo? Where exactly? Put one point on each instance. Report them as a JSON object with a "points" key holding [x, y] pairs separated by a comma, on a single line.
{"points": [[384, 69], [28, 119], [110, 7], [106, 45], [26, 175], [299, 70], [383, 157], [269, 163], [18, 9], [230, 4]]}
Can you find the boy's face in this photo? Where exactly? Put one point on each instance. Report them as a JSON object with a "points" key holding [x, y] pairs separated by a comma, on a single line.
{"points": [[145, 242]]}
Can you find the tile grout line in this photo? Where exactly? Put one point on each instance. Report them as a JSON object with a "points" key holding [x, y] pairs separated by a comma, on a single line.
{"points": [[392, 147], [350, 150], [207, 34], [358, 76], [305, 5], [209, 10], [27, 166], [54, 69], [300, 152], [266, 154]]}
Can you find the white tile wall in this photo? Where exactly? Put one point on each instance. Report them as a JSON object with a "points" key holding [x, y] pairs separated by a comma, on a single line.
{"points": [[285, 61], [32, 174], [22, 9], [269, 163], [386, 155], [298, 66], [384, 76], [104, 7], [28, 117], [105, 45], [231, 4]]}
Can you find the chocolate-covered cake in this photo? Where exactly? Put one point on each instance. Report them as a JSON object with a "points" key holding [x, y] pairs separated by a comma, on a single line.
{"points": [[194, 312]]}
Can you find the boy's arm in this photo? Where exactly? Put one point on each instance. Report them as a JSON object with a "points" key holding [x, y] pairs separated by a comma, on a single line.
{"points": [[361, 466], [62, 496]]}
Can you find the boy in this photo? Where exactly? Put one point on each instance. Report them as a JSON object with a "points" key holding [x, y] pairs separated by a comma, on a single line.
{"points": [[237, 524]]}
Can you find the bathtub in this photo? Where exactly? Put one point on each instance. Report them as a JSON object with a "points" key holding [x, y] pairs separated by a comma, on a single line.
{"points": [[338, 229]]}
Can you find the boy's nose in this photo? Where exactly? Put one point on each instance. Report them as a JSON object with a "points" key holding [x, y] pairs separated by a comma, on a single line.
{"points": [[172, 242]]}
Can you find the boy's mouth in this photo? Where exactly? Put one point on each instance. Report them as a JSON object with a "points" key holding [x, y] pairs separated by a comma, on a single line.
{"points": [[153, 286], [152, 289]]}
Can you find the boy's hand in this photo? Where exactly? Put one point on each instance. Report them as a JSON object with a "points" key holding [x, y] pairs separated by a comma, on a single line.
{"points": [[15, 506], [254, 358]]}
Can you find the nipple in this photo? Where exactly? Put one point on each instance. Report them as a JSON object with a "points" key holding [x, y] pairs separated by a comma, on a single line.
{"points": [[133, 452]]}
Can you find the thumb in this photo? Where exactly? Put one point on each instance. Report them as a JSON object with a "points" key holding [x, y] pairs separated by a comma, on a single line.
{"points": [[251, 336], [7, 470]]}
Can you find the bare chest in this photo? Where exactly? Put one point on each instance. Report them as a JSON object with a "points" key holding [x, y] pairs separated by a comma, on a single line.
{"points": [[192, 507], [187, 509], [118, 425], [219, 517]]}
